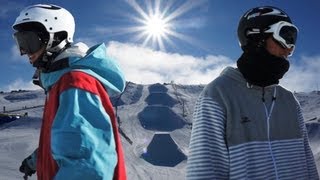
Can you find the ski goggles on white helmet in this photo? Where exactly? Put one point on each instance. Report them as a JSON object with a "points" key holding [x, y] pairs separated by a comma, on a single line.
{"points": [[284, 33], [28, 42]]}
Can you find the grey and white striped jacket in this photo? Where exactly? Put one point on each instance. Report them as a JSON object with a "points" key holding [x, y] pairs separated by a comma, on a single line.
{"points": [[243, 132]]}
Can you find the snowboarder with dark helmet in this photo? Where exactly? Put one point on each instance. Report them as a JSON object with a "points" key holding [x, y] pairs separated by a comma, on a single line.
{"points": [[246, 125]]}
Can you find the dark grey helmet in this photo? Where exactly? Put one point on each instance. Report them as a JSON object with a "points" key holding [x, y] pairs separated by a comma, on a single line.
{"points": [[253, 23]]}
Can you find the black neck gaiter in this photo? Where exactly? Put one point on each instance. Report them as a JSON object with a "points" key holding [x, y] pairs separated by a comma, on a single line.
{"points": [[261, 68]]}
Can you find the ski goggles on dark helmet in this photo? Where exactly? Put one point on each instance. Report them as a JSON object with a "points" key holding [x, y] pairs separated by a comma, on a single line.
{"points": [[284, 33], [28, 42]]}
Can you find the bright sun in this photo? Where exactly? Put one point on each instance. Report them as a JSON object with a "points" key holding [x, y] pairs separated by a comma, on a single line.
{"points": [[156, 26], [157, 22]]}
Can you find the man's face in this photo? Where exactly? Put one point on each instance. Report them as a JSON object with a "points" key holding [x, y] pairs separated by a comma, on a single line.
{"points": [[30, 43], [35, 56], [276, 49]]}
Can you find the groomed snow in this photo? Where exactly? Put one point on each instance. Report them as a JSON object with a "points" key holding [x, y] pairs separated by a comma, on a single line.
{"points": [[151, 117]]}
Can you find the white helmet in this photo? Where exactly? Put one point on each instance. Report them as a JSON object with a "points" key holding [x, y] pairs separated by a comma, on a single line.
{"points": [[54, 19]]}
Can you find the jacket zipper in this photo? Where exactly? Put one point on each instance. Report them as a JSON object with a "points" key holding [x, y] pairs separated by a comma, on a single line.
{"points": [[268, 116]]}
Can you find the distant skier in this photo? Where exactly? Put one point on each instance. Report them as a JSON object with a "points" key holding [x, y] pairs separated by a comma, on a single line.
{"points": [[245, 125], [79, 137]]}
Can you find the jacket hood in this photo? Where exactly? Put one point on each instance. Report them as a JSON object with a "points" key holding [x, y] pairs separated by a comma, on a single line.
{"points": [[93, 61]]}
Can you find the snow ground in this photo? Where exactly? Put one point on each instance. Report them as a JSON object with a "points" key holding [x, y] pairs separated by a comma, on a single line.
{"points": [[151, 117]]}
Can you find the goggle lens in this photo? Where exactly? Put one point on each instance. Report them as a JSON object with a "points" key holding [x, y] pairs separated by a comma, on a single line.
{"points": [[285, 33], [289, 34], [28, 42]]}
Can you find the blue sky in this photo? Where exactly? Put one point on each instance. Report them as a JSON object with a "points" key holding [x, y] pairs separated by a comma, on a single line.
{"points": [[204, 39]]}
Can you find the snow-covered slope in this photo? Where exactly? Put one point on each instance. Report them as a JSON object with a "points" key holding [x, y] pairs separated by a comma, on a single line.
{"points": [[155, 123], [19, 138], [153, 110]]}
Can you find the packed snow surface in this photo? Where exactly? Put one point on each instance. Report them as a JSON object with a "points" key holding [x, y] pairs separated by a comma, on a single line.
{"points": [[155, 123]]}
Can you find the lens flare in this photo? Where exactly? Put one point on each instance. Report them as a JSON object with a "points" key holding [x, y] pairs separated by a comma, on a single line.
{"points": [[156, 26], [156, 22]]}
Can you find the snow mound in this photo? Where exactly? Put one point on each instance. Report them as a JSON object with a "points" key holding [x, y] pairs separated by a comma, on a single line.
{"points": [[21, 96], [161, 99], [160, 118], [163, 151], [154, 88]]}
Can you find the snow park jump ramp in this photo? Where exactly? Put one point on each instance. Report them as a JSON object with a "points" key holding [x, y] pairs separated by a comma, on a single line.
{"points": [[158, 115], [163, 151], [160, 118], [160, 99], [157, 88]]}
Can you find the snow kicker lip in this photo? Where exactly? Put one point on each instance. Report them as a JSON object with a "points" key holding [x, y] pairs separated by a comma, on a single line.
{"points": [[160, 118], [156, 88], [160, 99], [163, 151]]}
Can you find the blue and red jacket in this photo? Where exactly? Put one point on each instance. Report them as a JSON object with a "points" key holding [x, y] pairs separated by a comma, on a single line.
{"points": [[79, 136]]}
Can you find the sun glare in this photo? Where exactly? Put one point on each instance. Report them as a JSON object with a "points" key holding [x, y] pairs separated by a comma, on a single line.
{"points": [[156, 26], [156, 21]]}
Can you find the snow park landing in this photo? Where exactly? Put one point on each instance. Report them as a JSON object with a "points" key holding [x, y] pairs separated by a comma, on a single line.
{"points": [[154, 121]]}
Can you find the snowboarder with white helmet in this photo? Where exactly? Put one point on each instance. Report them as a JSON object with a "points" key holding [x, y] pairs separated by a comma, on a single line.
{"points": [[79, 136], [246, 125]]}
